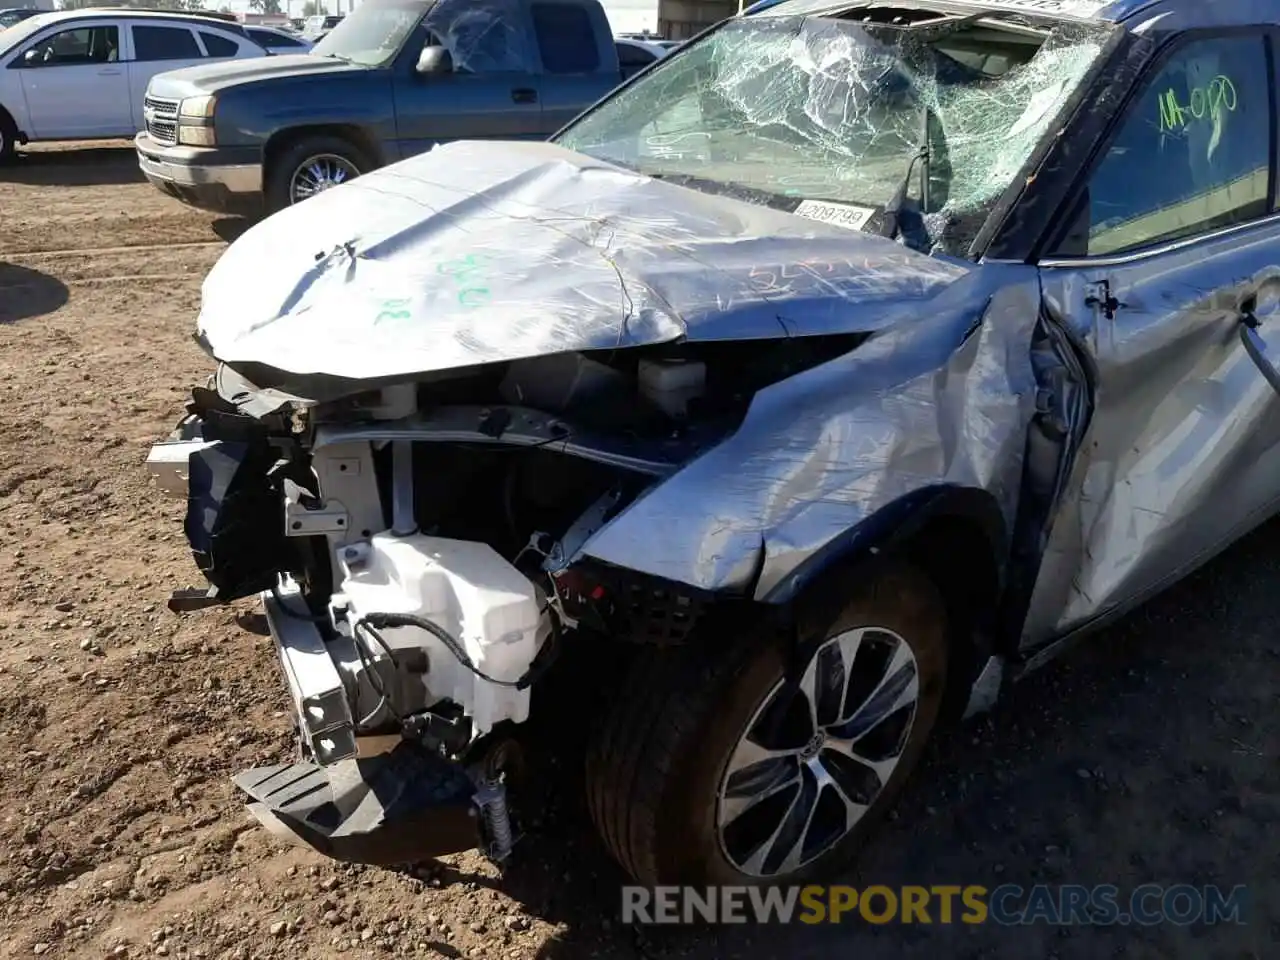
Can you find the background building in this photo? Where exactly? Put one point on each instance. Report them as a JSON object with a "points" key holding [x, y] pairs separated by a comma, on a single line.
{"points": [[681, 19]]}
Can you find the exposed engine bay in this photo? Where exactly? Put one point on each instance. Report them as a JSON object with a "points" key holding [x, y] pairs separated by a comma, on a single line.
{"points": [[418, 550]]}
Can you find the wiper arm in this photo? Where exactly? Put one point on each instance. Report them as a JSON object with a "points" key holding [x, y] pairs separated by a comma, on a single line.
{"points": [[893, 209]]}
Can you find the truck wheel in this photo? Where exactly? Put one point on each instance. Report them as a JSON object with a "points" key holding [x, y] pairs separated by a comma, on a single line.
{"points": [[8, 137], [714, 769], [311, 166]]}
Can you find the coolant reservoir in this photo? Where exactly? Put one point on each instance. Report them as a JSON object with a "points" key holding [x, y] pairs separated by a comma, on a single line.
{"points": [[671, 384], [473, 593]]}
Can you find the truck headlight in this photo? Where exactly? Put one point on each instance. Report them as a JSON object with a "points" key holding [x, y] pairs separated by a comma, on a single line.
{"points": [[195, 121]]}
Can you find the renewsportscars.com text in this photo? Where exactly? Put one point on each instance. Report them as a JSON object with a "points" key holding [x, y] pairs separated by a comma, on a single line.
{"points": [[1007, 904]]}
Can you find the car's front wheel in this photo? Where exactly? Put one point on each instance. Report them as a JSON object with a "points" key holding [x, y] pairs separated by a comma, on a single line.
{"points": [[8, 137], [747, 760], [311, 166]]}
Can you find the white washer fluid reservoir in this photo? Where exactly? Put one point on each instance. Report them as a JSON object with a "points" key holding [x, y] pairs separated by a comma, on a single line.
{"points": [[671, 384], [473, 593]]}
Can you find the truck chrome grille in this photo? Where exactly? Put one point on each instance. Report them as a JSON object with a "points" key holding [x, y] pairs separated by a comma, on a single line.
{"points": [[161, 119]]}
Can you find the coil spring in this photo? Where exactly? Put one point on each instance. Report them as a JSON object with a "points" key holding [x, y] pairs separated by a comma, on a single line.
{"points": [[492, 798]]}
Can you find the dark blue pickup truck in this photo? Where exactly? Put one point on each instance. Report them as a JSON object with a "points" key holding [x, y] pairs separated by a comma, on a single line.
{"points": [[394, 78]]}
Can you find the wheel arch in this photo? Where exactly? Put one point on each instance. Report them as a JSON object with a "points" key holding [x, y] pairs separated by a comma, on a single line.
{"points": [[10, 122], [354, 133], [958, 537]]}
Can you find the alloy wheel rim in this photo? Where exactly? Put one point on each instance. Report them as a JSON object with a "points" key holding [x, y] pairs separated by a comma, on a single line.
{"points": [[815, 755], [317, 174]]}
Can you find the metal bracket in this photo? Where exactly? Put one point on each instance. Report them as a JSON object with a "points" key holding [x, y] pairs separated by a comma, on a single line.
{"points": [[303, 521], [582, 529], [1102, 298], [986, 689]]}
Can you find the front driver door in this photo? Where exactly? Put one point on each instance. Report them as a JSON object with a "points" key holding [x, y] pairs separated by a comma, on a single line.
{"points": [[1173, 238], [493, 91], [75, 85]]}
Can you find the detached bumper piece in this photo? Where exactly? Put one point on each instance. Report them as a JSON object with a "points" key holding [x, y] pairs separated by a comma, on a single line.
{"points": [[399, 807]]}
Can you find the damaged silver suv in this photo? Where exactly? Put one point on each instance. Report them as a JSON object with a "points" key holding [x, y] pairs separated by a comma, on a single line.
{"points": [[835, 371]]}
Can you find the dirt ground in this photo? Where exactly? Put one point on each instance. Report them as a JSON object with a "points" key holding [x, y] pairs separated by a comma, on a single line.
{"points": [[1148, 756]]}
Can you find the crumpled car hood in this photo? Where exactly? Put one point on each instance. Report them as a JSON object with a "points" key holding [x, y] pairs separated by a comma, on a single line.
{"points": [[487, 251]]}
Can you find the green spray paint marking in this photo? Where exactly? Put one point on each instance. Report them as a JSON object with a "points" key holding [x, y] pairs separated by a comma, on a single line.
{"points": [[1211, 100], [392, 310], [468, 274]]}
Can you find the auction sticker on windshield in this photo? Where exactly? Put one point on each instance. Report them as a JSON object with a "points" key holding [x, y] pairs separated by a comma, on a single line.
{"points": [[839, 214]]}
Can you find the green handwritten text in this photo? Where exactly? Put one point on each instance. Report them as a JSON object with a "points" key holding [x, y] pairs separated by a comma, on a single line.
{"points": [[468, 274], [1210, 101], [392, 310]]}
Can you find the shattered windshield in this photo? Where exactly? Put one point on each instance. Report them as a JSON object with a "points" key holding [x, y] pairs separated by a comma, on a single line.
{"points": [[828, 109]]}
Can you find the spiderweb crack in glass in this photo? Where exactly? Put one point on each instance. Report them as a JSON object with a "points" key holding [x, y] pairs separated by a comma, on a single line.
{"points": [[828, 109]]}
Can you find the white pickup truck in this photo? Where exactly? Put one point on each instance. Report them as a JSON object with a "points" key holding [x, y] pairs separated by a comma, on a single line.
{"points": [[81, 75]]}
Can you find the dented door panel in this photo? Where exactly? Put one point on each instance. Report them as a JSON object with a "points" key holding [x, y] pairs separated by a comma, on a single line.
{"points": [[1184, 450]]}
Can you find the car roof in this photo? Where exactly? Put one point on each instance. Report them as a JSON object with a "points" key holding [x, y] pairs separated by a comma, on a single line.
{"points": [[1189, 13], [124, 13]]}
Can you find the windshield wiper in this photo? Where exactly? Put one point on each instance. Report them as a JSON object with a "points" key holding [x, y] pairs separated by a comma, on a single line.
{"points": [[922, 155]]}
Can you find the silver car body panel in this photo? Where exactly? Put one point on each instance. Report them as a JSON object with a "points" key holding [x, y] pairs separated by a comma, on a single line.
{"points": [[944, 400], [481, 252], [1184, 452]]}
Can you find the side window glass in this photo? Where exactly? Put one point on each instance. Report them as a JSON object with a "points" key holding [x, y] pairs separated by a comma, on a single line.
{"points": [[164, 43], [482, 36], [85, 45], [1191, 156], [631, 56], [217, 45], [566, 38]]}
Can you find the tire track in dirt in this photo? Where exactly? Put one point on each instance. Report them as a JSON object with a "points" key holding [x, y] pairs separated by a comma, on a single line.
{"points": [[128, 249]]}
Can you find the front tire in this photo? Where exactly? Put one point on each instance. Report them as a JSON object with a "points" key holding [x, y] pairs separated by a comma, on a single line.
{"points": [[311, 166], [8, 138], [715, 769]]}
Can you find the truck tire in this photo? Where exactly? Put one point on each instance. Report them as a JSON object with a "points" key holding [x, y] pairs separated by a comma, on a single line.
{"points": [[309, 166], [8, 137], [669, 783]]}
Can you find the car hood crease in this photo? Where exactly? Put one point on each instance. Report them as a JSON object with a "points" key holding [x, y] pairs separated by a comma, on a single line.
{"points": [[482, 252]]}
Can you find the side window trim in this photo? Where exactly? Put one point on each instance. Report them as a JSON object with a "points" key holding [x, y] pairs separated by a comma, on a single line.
{"points": [[1160, 249], [1157, 63], [1273, 72]]}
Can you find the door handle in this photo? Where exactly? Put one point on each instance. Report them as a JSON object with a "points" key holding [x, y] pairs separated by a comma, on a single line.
{"points": [[108, 73], [524, 95]]}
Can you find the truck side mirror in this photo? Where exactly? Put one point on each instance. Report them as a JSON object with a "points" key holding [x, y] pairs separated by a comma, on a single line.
{"points": [[434, 60]]}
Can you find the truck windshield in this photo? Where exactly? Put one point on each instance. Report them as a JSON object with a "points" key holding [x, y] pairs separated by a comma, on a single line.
{"points": [[373, 33], [828, 109]]}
